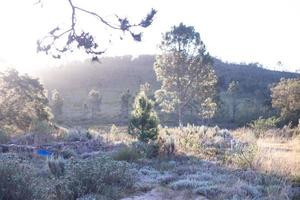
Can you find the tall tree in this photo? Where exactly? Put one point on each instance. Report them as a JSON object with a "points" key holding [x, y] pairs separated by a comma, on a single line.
{"points": [[144, 120], [185, 69], [232, 91], [286, 97], [126, 104], [57, 103], [95, 101], [22, 101]]}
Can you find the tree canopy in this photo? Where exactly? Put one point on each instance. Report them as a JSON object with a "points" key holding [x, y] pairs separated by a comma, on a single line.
{"points": [[184, 68], [286, 98], [22, 101]]}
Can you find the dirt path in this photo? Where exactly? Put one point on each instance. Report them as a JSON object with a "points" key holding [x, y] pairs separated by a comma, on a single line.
{"points": [[165, 194]]}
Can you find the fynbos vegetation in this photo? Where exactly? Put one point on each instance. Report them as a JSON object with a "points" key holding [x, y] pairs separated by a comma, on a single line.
{"points": [[177, 124]]}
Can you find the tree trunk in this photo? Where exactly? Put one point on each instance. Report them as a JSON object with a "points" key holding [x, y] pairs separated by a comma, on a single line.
{"points": [[234, 107], [179, 116]]}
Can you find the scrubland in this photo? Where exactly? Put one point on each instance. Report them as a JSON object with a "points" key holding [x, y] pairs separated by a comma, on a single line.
{"points": [[192, 162]]}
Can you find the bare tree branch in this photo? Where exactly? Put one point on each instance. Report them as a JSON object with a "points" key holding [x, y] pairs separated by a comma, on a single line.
{"points": [[85, 40]]}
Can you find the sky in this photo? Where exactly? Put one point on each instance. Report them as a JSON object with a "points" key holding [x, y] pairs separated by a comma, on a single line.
{"points": [[263, 31]]}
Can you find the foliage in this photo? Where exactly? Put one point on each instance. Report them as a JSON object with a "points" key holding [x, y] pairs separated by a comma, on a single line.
{"points": [[261, 125], [99, 175], [22, 100], [20, 179], [56, 166], [114, 129], [150, 150], [233, 90], [15, 181], [185, 69], [95, 101], [60, 40], [77, 135], [57, 103], [244, 156], [286, 98], [125, 72], [128, 154], [126, 101], [146, 87], [144, 120]]}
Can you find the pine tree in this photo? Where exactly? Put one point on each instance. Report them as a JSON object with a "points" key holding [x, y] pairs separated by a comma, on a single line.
{"points": [[144, 120], [184, 68]]}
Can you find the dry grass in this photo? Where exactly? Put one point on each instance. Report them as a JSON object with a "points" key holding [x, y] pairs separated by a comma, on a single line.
{"points": [[280, 156], [116, 135]]}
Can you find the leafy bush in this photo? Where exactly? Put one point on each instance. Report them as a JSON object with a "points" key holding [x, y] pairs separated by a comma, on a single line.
{"points": [[73, 135], [42, 131], [68, 153], [149, 150], [100, 175], [261, 125], [144, 120], [56, 166], [244, 157], [114, 129], [127, 154], [15, 181]]}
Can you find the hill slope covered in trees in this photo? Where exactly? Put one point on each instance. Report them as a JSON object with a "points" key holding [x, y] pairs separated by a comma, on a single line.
{"points": [[114, 75]]}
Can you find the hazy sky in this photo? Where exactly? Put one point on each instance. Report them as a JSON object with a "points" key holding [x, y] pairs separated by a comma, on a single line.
{"points": [[264, 31]]}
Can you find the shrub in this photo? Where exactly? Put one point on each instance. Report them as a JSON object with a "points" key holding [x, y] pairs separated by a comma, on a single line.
{"points": [[75, 134], [149, 150], [244, 156], [68, 153], [15, 181], [144, 120], [114, 129], [127, 154], [42, 131], [100, 175], [261, 125], [56, 166]]}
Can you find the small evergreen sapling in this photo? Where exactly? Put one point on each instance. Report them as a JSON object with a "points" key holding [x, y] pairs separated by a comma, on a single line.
{"points": [[144, 120]]}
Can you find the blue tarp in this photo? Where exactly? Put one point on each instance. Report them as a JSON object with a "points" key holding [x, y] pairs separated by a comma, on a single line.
{"points": [[44, 152]]}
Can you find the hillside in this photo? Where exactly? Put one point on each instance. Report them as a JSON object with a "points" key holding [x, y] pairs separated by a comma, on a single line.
{"points": [[114, 75]]}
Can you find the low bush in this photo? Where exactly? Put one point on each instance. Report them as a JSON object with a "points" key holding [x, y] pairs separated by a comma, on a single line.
{"points": [[149, 150], [56, 166], [261, 125], [73, 135], [100, 175], [244, 156], [15, 181], [127, 154]]}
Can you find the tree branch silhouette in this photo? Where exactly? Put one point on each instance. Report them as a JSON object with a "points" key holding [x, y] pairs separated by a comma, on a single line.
{"points": [[84, 39]]}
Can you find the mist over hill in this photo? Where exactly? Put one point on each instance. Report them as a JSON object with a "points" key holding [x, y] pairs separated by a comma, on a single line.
{"points": [[114, 75]]}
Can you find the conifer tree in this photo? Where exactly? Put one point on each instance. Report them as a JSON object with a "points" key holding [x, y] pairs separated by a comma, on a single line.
{"points": [[184, 68], [144, 120]]}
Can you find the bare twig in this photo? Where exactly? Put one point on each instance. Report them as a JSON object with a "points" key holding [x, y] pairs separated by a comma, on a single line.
{"points": [[84, 39]]}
